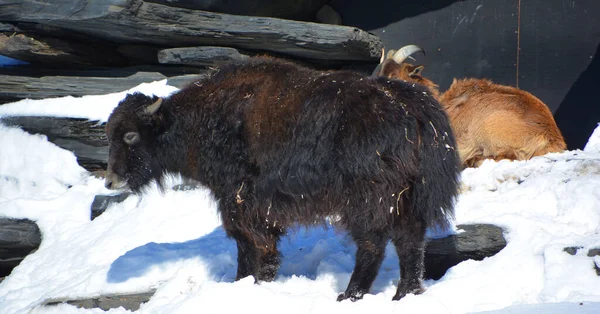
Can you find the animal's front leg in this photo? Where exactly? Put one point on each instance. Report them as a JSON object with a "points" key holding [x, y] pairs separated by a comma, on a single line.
{"points": [[256, 239], [369, 255], [248, 257], [257, 256], [269, 262], [257, 252]]}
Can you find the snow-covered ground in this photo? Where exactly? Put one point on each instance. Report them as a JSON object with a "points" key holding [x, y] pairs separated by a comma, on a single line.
{"points": [[173, 242]]}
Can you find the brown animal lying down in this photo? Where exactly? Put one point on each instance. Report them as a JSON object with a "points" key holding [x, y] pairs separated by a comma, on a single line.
{"points": [[490, 121]]}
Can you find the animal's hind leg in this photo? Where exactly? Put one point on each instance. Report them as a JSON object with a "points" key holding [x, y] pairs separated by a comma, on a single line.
{"points": [[409, 240], [248, 256], [369, 255]]}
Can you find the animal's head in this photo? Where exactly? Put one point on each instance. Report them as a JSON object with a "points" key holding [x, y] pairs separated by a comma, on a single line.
{"points": [[131, 131], [394, 66]]}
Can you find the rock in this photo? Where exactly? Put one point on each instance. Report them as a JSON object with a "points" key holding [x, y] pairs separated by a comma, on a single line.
{"points": [[572, 250], [204, 56], [139, 22], [4, 27], [130, 302], [101, 203], [82, 130], [86, 139], [476, 242], [14, 87], [594, 252], [18, 238], [21, 87], [37, 49]]}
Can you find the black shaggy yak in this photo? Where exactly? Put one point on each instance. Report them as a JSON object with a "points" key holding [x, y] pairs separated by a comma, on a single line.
{"points": [[280, 144]]}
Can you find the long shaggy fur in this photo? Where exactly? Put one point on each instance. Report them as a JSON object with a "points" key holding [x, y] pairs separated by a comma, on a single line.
{"points": [[280, 144]]}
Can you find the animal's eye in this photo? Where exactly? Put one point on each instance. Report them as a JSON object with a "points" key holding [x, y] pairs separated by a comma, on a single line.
{"points": [[416, 72], [131, 138]]}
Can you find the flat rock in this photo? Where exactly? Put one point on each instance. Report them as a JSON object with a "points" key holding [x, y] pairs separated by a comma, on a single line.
{"points": [[18, 238], [475, 242], [102, 202], [139, 22], [37, 49], [130, 302], [85, 138], [15, 87], [20, 87], [204, 56], [594, 252]]}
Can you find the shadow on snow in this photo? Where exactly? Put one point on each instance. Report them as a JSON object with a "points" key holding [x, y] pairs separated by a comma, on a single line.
{"points": [[306, 251]]}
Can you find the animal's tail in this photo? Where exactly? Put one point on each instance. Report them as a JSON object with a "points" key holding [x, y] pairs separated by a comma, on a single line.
{"points": [[436, 187]]}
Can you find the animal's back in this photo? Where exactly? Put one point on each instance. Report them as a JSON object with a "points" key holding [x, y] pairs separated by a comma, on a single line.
{"points": [[498, 122]]}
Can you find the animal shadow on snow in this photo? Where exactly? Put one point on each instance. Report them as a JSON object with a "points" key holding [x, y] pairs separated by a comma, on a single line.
{"points": [[310, 252]]}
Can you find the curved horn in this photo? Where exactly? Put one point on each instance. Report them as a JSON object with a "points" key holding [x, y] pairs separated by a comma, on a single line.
{"points": [[406, 52], [390, 54], [152, 109]]}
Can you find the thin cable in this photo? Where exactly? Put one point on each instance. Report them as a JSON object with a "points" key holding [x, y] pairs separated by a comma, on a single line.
{"points": [[518, 39]]}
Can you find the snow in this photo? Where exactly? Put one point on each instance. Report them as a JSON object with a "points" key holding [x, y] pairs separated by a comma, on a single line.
{"points": [[93, 107], [172, 241]]}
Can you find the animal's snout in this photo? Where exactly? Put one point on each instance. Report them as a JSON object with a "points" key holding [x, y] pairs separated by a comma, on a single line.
{"points": [[108, 184], [113, 181]]}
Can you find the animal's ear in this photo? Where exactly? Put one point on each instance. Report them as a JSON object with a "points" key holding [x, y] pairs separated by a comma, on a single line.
{"points": [[390, 54], [153, 108], [416, 72], [382, 56], [131, 138]]}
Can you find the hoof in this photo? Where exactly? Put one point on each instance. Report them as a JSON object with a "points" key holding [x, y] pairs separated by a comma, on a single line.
{"points": [[399, 295], [352, 296]]}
